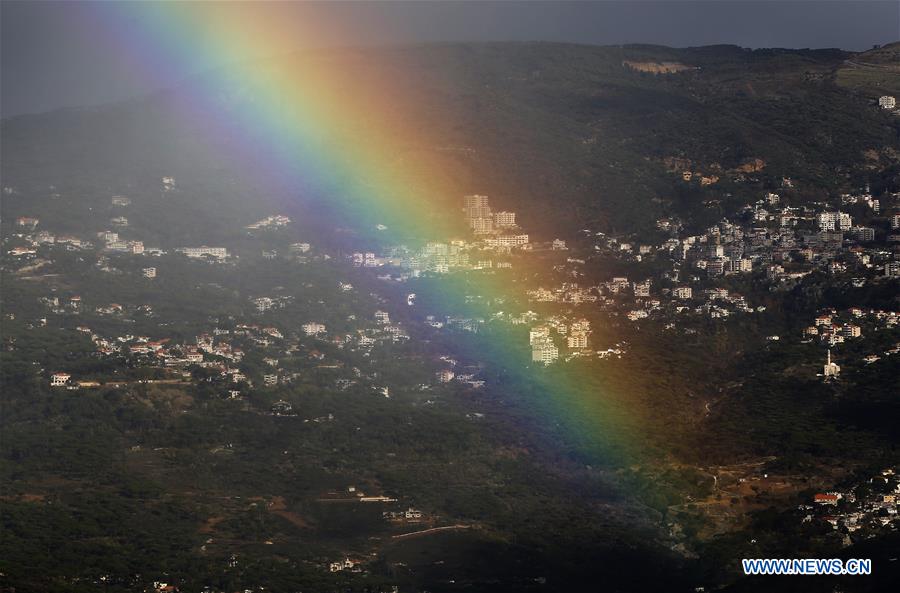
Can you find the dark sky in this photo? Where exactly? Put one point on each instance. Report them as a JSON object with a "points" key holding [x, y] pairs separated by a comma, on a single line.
{"points": [[52, 54]]}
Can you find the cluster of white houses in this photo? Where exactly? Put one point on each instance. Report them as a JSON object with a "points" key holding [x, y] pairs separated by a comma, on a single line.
{"points": [[871, 505], [543, 346]]}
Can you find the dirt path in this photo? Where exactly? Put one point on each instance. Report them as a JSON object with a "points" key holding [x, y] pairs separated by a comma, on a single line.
{"points": [[432, 530]]}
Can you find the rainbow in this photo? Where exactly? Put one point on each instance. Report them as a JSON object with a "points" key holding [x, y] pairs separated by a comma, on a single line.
{"points": [[302, 115], [300, 119]]}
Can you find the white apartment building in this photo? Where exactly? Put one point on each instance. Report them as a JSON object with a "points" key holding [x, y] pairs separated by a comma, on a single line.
{"points": [[580, 325], [59, 379], [538, 334], [577, 341], [477, 206], [149, 272], [834, 221], [683, 292], [887, 102], [204, 251], [482, 225], [117, 246], [545, 353], [740, 265], [618, 283], [263, 304], [507, 241], [505, 219], [715, 267], [313, 328]]}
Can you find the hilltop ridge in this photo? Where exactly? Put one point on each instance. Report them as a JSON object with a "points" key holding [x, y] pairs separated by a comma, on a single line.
{"points": [[536, 125]]}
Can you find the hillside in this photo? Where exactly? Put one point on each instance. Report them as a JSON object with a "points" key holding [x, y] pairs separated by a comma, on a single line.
{"points": [[535, 126], [873, 73]]}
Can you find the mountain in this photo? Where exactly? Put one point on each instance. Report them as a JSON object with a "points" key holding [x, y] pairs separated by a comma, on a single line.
{"points": [[599, 130]]}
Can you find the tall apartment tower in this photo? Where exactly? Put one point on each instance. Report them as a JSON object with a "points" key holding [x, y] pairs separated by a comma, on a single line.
{"points": [[477, 206]]}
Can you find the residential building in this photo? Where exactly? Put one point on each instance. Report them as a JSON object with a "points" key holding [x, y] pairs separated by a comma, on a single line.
{"points": [[887, 102], [577, 341], [504, 219], [482, 225], [580, 325], [538, 334], [716, 267], [683, 292], [863, 234], [204, 251], [108, 236], [59, 379], [477, 206], [313, 328], [834, 221], [507, 241], [739, 265], [851, 331], [544, 352]]}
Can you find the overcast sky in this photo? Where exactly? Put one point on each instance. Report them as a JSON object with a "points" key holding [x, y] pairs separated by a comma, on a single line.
{"points": [[53, 55]]}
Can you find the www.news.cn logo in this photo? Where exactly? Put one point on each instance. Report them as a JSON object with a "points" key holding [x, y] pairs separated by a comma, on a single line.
{"points": [[810, 566]]}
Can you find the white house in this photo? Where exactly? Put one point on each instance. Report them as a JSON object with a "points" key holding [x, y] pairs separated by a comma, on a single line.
{"points": [[313, 328], [59, 379]]}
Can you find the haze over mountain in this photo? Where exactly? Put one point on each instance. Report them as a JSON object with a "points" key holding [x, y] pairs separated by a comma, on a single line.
{"points": [[534, 124], [61, 54]]}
